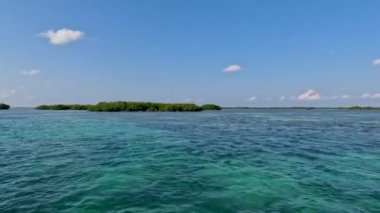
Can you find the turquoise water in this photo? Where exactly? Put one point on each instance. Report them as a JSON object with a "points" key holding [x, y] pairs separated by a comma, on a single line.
{"points": [[226, 161]]}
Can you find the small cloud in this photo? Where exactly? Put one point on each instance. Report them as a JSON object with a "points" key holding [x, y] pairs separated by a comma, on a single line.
{"points": [[188, 100], [367, 95], [32, 72], [309, 95], [376, 62], [233, 68], [7, 94], [345, 96], [252, 99], [282, 98], [62, 36]]}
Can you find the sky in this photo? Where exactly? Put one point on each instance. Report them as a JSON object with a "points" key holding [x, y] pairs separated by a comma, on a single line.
{"points": [[227, 52]]}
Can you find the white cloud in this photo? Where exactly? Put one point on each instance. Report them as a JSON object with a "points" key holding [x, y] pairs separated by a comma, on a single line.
{"points": [[282, 98], [32, 72], [309, 95], [62, 36], [345, 96], [7, 94], [188, 100], [252, 99], [367, 95], [376, 62], [233, 68]]}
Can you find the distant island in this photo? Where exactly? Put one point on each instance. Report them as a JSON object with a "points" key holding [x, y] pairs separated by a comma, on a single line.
{"points": [[124, 106], [4, 106], [363, 108]]}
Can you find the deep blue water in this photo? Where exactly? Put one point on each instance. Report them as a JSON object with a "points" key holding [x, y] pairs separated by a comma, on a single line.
{"points": [[226, 161]]}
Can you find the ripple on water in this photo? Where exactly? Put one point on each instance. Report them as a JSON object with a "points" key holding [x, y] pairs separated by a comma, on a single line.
{"points": [[228, 161]]}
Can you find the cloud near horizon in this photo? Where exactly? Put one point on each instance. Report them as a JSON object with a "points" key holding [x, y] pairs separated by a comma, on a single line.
{"points": [[367, 95], [232, 68], [62, 36], [252, 99], [309, 95], [31, 72]]}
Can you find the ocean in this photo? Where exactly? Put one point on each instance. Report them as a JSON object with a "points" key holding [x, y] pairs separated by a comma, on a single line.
{"points": [[247, 160]]}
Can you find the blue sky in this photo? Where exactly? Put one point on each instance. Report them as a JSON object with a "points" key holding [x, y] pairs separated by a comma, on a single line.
{"points": [[232, 53]]}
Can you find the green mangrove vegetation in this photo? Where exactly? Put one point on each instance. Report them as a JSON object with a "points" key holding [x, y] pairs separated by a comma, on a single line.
{"points": [[211, 107], [120, 106], [63, 107], [4, 106], [124, 106], [363, 108]]}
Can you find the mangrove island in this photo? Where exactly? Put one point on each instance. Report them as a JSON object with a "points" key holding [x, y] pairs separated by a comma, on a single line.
{"points": [[4, 106], [124, 106]]}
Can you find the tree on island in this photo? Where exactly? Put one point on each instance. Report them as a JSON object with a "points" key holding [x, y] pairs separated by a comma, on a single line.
{"points": [[4, 106]]}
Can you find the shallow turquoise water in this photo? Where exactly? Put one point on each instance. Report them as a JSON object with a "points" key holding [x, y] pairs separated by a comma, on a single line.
{"points": [[227, 161]]}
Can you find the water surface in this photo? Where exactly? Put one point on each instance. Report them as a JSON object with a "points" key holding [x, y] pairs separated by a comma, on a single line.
{"points": [[226, 161]]}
